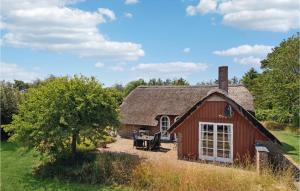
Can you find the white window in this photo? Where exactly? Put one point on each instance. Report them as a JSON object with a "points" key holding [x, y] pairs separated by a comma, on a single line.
{"points": [[176, 119], [164, 126], [216, 141]]}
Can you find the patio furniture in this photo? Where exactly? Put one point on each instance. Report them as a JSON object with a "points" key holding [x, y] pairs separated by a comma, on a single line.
{"points": [[154, 144], [138, 143], [143, 132], [145, 139]]}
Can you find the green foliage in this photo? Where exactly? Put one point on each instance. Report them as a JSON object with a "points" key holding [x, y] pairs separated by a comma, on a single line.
{"points": [[132, 85], [62, 112], [276, 89], [92, 168], [20, 85], [280, 116], [153, 82], [10, 98], [248, 80]]}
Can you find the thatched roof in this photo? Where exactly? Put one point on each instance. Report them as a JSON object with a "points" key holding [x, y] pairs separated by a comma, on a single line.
{"points": [[145, 103]]}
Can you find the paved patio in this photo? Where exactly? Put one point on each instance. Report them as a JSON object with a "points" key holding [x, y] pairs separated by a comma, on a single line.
{"points": [[167, 151]]}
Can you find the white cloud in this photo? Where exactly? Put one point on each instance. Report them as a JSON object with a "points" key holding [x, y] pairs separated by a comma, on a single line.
{"points": [[246, 54], [117, 68], [129, 2], [51, 25], [255, 50], [99, 65], [203, 7], [108, 13], [186, 50], [251, 60], [168, 69], [10, 72], [128, 15], [265, 15]]}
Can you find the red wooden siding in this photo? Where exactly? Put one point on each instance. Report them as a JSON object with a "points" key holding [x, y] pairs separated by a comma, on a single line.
{"points": [[244, 133]]}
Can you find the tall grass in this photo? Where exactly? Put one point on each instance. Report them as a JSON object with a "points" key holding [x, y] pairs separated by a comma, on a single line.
{"points": [[167, 175], [176, 176]]}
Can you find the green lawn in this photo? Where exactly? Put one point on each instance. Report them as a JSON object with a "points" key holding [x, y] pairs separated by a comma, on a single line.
{"points": [[290, 142], [16, 173]]}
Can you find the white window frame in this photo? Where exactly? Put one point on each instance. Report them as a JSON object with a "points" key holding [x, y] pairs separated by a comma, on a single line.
{"points": [[176, 118], [215, 149], [169, 123]]}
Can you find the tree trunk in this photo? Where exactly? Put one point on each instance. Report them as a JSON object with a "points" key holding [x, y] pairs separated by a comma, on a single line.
{"points": [[73, 145]]}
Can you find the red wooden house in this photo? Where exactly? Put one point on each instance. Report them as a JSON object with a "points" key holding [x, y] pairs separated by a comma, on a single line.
{"points": [[209, 122]]}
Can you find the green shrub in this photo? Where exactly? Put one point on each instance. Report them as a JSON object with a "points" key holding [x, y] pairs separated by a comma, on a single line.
{"points": [[272, 125], [92, 168], [280, 116]]}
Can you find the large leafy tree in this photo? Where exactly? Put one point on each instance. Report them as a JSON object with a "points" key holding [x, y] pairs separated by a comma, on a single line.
{"points": [[281, 76], [10, 98], [249, 77], [276, 89], [9, 101], [62, 112], [132, 85]]}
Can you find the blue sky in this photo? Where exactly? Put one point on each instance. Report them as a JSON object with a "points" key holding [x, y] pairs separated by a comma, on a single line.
{"points": [[122, 40]]}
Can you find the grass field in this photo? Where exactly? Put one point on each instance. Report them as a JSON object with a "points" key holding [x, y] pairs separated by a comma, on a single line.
{"points": [[16, 173], [291, 143]]}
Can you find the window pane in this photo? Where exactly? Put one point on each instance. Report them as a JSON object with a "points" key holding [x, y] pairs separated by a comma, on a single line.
{"points": [[204, 151], [210, 136], [226, 137], [220, 128], [226, 154], [220, 145], [204, 135], [226, 129], [226, 145], [204, 127], [220, 136], [220, 153], [204, 143], [210, 144], [210, 128], [210, 152]]}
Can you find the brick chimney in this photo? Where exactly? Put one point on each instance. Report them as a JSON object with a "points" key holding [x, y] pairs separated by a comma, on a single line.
{"points": [[223, 78]]}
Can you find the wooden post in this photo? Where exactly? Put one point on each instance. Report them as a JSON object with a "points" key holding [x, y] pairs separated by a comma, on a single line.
{"points": [[179, 146], [262, 160]]}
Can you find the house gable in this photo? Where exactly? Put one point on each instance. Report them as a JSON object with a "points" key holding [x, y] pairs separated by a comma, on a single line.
{"points": [[219, 97]]}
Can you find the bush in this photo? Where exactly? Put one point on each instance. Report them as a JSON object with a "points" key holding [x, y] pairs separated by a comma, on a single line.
{"points": [[272, 125], [92, 168], [280, 116]]}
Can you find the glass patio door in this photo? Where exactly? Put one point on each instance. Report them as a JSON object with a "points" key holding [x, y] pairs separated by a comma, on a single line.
{"points": [[215, 142]]}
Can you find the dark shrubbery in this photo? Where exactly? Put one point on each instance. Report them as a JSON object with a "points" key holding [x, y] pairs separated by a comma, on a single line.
{"points": [[272, 125], [92, 168]]}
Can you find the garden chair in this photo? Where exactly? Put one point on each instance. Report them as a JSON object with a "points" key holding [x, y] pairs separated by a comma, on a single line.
{"points": [[137, 142], [155, 143]]}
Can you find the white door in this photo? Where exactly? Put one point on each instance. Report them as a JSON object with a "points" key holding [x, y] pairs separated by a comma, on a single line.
{"points": [[215, 141]]}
